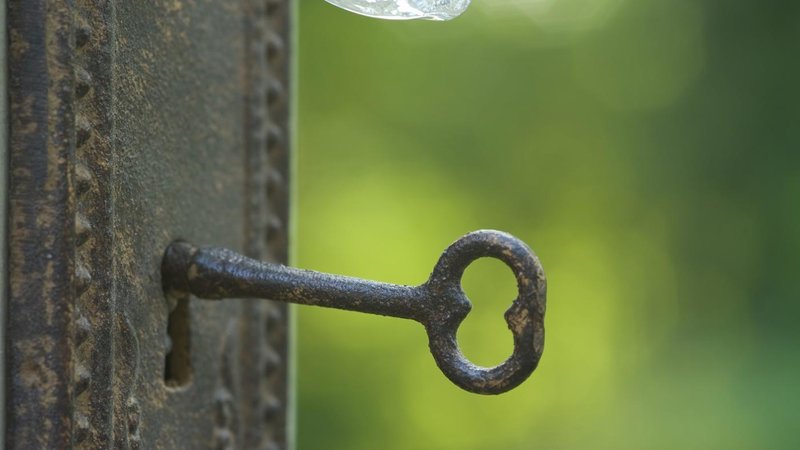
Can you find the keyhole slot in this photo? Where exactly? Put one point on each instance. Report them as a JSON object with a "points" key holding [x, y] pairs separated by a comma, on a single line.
{"points": [[178, 361]]}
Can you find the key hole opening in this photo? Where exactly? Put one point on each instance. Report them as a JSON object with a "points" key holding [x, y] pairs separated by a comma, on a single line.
{"points": [[178, 363]]}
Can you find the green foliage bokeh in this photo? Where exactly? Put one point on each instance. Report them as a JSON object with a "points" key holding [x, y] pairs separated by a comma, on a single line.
{"points": [[647, 150]]}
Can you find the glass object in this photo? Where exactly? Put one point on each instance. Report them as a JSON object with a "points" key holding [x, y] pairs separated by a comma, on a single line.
{"points": [[405, 9]]}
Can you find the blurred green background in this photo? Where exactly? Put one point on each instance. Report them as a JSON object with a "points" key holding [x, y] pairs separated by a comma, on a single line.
{"points": [[647, 150]]}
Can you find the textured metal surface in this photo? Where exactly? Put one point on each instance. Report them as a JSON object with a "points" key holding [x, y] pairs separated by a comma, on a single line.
{"points": [[439, 304], [41, 234], [265, 324], [4, 209], [133, 125]]}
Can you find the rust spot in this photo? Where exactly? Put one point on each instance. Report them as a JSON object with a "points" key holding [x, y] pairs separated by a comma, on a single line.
{"points": [[18, 45], [35, 372]]}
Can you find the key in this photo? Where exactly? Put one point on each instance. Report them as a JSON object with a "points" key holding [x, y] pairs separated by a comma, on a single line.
{"points": [[439, 304]]}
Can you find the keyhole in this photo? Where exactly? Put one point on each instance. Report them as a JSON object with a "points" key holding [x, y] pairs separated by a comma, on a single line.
{"points": [[178, 364]]}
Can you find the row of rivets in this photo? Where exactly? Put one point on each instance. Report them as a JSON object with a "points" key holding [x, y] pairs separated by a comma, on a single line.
{"points": [[273, 368], [82, 377]]}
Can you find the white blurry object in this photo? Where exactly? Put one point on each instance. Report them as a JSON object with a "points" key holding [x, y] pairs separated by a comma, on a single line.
{"points": [[405, 9]]}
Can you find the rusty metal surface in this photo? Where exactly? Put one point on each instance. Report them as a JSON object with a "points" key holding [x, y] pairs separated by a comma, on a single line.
{"points": [[40, 227], [133, 125], [439, 304], [265, 366]]}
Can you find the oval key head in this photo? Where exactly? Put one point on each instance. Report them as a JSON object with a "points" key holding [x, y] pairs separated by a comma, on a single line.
{"points": [[525, 317]]}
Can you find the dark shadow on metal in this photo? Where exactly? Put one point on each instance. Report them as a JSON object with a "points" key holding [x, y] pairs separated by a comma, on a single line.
{"points": [[439, 304]]}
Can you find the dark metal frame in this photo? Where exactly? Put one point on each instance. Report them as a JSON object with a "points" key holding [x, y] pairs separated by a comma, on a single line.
{"points": [[73, 356]]}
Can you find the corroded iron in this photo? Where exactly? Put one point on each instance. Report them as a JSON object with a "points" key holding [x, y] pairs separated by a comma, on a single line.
{"points": [[107, 133], [439, 304]]}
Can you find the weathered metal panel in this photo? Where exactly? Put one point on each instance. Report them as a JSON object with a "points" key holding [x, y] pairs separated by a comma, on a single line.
{"points": [[3, 208], [133, 125]]}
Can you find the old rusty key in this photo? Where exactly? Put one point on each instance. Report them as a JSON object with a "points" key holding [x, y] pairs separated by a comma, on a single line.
{"points": [[439, 304]]}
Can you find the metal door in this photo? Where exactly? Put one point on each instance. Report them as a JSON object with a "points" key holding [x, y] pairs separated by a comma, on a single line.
{"points": [[133, 124]]}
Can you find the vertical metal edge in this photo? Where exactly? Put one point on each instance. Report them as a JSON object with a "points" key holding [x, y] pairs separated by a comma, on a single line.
{"points": [[96, 403], [291, 387], [4, 208], [267, 88], [40, 225], [278, 115]]}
